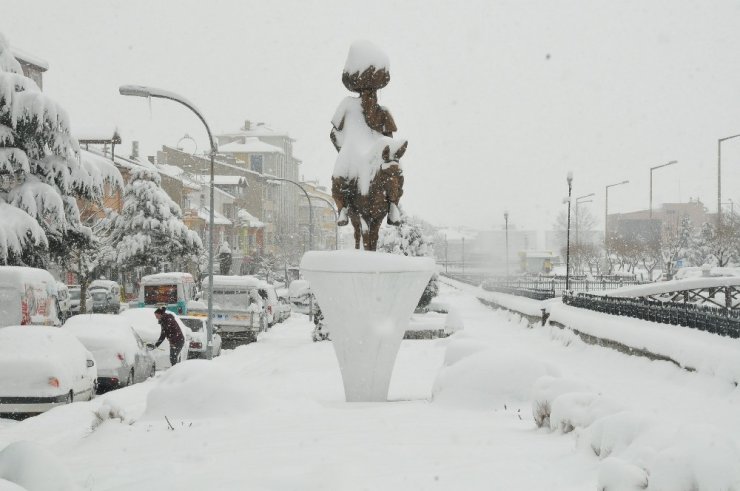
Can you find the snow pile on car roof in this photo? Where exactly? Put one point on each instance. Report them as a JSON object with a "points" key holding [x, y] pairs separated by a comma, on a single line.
{"points": [[102, 332]]}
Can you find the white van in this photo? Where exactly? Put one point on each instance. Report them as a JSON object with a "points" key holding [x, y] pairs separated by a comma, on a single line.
{"points": [[175, 290], [28, 296]]}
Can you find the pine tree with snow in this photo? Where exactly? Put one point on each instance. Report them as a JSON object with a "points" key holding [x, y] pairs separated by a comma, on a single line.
{"points": [[149, 230], [408, 239], [41, 173]]}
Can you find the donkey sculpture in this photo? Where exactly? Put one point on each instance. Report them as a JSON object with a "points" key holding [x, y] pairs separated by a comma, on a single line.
{"points": [[367, 181]]}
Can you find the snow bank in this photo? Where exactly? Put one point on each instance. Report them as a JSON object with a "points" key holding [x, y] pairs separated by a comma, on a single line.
{"points": [[199, 389], [523, 305], [460, 348], [705, 352], [453, 321], [614, 433], [618, 475], [488, 378], [32, 467]]}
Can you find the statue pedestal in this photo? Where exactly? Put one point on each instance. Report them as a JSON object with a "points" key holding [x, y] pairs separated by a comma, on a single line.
{"points": [[366, 298]]}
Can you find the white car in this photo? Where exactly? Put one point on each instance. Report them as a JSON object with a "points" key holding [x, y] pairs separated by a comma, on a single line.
{"points": [[198, 343], [120, 353], [42, 367], [283, 305], [146, 326]]}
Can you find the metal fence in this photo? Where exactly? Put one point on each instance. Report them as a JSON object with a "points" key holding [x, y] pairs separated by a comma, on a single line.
{"points": [[536, 294], [725, 322], [558, 284]]}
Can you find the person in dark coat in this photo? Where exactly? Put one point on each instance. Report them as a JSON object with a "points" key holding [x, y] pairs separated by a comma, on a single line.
{"points": [[170, 330]]}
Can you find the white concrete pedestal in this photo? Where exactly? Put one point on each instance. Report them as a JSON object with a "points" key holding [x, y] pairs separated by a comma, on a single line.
{"points": [[366, 298]]}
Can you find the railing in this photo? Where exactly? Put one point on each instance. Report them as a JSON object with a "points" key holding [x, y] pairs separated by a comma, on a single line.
{"points": [[558, 284], [725, 322], [535, 294]]}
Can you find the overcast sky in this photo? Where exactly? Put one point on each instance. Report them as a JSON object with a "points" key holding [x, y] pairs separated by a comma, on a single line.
{"points": [[498, 99]]}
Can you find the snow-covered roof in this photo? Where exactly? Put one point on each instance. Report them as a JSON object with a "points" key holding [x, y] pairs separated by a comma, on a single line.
{"points": [[245, 216], [223, 180], [178, 173], [258, 129], [30, 59], [169, 276], [250, 145], [218, 218]]}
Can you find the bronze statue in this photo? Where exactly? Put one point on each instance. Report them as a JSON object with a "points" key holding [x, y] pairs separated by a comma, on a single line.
{"points": [[367, 181]]}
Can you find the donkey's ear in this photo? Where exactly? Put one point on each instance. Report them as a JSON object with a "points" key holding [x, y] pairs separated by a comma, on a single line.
{"points": [[401, 150], [386, 154]]}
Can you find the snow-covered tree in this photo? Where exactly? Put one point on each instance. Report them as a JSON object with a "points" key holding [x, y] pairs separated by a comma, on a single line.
{"points": [[149, 230], [41, 173], [408, 239], [718, 244], [676, 244]]}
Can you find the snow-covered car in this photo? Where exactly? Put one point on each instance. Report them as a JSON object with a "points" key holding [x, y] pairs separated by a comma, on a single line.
{"points": [[42, 367], [300, 296], [64, 301], [74, 299], [198, 343], [146, 326], [283, 305], [103, 296], [121, 355], [270, 299]]}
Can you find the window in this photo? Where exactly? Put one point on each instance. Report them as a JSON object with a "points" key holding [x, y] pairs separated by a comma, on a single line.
{"points": [[156, 294], [255, 162]]}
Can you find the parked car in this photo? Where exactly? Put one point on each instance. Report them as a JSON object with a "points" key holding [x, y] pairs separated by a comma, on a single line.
{"points": [[198, 344], [147, 327], [104, 296], [270, 299], [42, 367], [74, 299], [28, 296], [64, 302], [175, 290], [300, 296], [283, 306], [120, 353]]}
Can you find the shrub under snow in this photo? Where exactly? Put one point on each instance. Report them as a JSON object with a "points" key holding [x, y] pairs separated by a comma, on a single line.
{"points": [[617, 475], [545, 390], [489, 379], [580, 409]]}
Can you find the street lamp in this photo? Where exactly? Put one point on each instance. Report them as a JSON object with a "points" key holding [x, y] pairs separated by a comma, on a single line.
{"points": [[579, 200], [567, 246], [336, 218], [719, 175], [149, 92], [506, 221], [606, 216], [310, 208], [651, 182]]}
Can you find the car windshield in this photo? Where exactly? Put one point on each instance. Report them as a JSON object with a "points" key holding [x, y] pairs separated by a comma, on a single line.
{"points": [[98, 295], [74, 294], [158, 294], [195, 325]]}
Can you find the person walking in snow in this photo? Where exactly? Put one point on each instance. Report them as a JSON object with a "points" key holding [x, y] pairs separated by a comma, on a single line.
{"points": [[170, 330]]}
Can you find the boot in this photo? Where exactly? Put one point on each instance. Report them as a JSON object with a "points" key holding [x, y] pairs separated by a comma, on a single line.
{"points": [[342, 220], [394, 215]]}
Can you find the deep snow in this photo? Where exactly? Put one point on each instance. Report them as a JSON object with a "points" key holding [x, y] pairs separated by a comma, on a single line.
{"points": [[289, 427]]}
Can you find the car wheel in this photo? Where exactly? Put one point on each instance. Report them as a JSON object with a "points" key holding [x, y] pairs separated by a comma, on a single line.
{"points": [[130, 380]]}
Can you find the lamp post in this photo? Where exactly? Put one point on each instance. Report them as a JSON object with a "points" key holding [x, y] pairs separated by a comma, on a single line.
{"points": [[506, 222], [651, 182], [336, 219], [719, 175], [446, 262], [310, 208], [581, 199], [567, 245], [149, 92], [606, 214]]}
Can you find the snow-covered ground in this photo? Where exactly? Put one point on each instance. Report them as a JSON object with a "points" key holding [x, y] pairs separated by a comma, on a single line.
{"points": [[271, 415]]}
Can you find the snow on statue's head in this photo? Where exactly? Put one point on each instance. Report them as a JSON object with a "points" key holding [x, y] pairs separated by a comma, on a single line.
{"points": [[366, 68]]}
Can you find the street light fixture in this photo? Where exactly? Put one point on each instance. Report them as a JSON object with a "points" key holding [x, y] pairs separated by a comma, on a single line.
{"points": [[567, 246], [149, 92], [310, 208], [606, 216], [719, 175], [506, 222], [651, 182]]}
